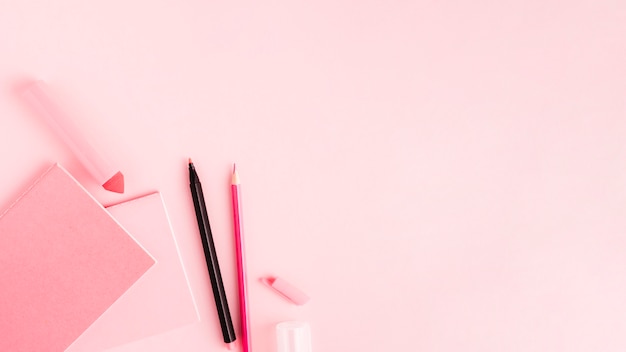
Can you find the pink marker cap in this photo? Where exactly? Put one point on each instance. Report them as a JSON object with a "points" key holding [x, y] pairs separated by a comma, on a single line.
{"points": [[287, 290]]}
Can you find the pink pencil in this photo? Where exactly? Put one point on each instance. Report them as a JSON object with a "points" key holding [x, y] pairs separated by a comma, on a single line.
{"points": [[241, 263]]}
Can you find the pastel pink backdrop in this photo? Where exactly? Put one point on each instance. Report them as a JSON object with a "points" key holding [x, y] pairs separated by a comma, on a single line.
{"points": [[436, 175]]}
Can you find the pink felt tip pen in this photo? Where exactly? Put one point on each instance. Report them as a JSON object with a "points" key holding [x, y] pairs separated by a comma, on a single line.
{"points": [[241, 263], [37, 95]]}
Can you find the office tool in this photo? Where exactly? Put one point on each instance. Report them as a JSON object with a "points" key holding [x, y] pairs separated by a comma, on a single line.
{"points": [[293, 336], [210, 254], [287, 290], [64, 261], [161, 300], [244, 316], [40, 99]]}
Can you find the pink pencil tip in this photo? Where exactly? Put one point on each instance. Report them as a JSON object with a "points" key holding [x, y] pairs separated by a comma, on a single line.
{"points": [[230, 346], [190, 161], [235, 178]]}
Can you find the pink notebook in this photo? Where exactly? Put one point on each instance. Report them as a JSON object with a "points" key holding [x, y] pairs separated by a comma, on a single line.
{"points": [[63, 262], [160, 300]]}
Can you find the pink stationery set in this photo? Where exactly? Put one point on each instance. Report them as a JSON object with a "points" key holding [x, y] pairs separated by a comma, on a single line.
{"points": [[77, 276]]}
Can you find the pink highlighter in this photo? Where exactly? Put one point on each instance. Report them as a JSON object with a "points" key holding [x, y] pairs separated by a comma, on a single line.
{"points": [[37, 95]]}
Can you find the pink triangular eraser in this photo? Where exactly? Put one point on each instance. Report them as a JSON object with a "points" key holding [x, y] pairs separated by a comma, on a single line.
{"points": [[115, 183], [64, 261]]}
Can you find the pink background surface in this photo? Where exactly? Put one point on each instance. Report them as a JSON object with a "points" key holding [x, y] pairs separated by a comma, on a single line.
{"points": [[437, 176]]}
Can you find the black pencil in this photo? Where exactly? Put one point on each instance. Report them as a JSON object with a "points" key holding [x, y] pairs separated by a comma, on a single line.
{"points": [[211, 256]]}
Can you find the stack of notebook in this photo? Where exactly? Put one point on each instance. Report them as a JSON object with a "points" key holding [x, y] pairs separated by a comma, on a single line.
{"points": [[78, 277]]}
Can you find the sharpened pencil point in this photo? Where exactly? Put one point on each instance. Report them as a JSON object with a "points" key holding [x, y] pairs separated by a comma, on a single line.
{"points": [[235, 178], [190, 161]]}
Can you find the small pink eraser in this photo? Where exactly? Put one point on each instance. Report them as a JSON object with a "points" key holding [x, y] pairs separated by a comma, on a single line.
{"points": [[287, 290]]}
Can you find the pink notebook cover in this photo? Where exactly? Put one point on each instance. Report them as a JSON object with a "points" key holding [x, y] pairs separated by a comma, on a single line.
{"points": [[160, 300], [63, 262]]}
